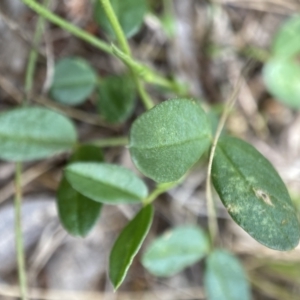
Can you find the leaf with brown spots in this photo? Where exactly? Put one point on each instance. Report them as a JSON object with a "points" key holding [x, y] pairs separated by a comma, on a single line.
{"points": [[254, 194]]}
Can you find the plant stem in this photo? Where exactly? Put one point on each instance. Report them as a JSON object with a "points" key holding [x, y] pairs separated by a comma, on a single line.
{"points": [[160, 189], [110, 142], [212, 218], [109, 11], [18, 233], [33, 56], [76, 31]]}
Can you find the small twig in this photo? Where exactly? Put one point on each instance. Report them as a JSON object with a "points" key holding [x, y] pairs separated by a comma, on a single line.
{"points": [[27, 177], [18, 233], [33, 56], [74, 113], [15, 27]]}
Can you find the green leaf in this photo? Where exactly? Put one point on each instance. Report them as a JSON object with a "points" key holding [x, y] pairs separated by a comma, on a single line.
{"points": [[175, 250], [282, 77], [78, 214], [106, 183], [32, 133], [254, 194], [169, 139], [87, 153], [130, 14], [74, 81], [116, 98], [224, 277], [128, 244], [287, 42]]}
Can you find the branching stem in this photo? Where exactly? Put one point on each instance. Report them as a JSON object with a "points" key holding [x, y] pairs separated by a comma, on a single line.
{"points": [[110, 13]]}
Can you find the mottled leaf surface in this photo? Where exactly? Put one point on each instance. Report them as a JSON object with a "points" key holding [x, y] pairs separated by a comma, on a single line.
{"points": [[225, 278], [78, 213], [130, 14], [73, 82], [282, 77], [169, 139], [254, 194], [116, 98], [175, 250], [128, 244], [106, 183], [32, 133]]}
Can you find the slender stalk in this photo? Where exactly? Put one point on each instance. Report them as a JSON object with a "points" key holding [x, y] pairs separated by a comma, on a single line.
{"points": [[109, 11], [160, 189], [110, 142], [76, 31], [18, 233], [212, 218], [33, 56]]}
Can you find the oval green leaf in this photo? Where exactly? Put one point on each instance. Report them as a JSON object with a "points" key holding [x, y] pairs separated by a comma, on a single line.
{"points": [[34, 133], [282, 77], [130, 14], [106, 183], [78, 214], [254, 194], [287, 42], [225, 278], [128, 244], [73, 82], [175, 250], [116, 98], [169, 139]]}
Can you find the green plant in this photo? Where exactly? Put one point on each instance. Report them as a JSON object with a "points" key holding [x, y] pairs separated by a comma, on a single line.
{"points": [[164, 142]]}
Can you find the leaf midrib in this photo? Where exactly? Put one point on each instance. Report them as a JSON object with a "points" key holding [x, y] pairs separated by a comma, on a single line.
{"points": [[104, 183], [196, 139], [35, 140]]}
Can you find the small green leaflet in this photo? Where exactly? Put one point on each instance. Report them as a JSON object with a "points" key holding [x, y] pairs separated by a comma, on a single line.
{"points": [[282, 77], [116, 98], [78, 214], [106, 183], [225, 278], [286, 42], [254, 194], [128, 244], [166, 141], [73, 82], [32, 133], [130, 14], [175, 250]]}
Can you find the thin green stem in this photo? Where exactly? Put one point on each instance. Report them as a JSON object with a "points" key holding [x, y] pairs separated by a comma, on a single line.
{"points": [[110, 142], [110, 13], [18, 233], [33, 56], [76, 31], [160, 189], [211, 211]]}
